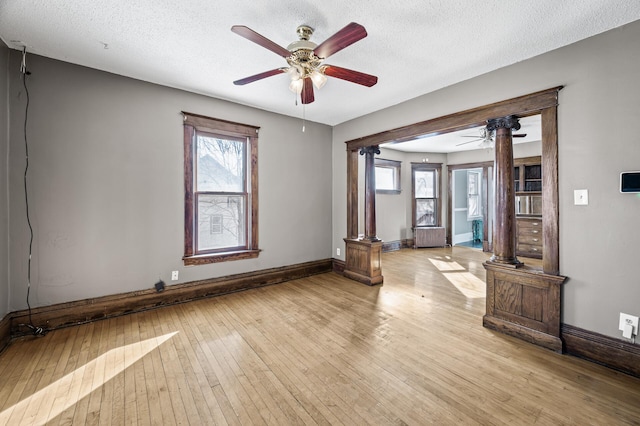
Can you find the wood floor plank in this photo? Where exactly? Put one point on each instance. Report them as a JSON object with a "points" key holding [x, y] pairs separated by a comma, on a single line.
{"points": [[319, 350], [209, 411]]}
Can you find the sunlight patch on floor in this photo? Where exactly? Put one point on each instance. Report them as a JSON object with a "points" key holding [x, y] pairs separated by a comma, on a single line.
{"points": [[70, 389], [468, 284], [447, 266]]}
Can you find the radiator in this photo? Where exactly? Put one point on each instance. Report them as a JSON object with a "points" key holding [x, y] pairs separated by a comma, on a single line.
{"points": [[429, 237]]}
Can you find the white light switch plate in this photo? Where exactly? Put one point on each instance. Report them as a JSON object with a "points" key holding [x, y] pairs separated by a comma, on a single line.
{"points": [[581, 197]]}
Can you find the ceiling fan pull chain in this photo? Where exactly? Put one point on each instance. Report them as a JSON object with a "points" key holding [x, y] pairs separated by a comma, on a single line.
{"points": [[303, 117]]}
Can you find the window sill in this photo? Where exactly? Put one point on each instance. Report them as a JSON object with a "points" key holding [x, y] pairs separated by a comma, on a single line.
{"points": [[203, 259], [388, 191]]}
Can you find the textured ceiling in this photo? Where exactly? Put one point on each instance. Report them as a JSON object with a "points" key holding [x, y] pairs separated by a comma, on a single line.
{"points": [[413, 46]]}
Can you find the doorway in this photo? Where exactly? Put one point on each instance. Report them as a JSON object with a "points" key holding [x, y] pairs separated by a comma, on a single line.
{"points": [[467, 219], [544, 103]]}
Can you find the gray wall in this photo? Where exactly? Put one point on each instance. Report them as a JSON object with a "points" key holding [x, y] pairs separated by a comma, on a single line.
{"points": [[598, 108], [106, 182], [4, 176]]}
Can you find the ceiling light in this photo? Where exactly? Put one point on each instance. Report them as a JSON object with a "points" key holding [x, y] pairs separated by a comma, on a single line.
{"points": [[296, 86], [318, 79]]}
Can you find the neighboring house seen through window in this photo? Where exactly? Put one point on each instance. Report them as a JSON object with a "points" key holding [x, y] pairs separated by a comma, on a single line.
{"points": [[221, 190]]}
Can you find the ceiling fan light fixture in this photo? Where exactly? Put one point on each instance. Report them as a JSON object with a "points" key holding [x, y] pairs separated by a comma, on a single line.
{"points": [[294, 73], [296, 85], [318, 78], [486, 143]]}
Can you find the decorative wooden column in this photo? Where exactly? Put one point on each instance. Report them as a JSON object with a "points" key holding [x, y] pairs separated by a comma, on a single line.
{"points": [[504, 235], [370, 192], [521, 301], [363, 257]]}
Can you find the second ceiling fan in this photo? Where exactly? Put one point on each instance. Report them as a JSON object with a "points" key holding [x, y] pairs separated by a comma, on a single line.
{"points": [[305, 59], [486, 136]]}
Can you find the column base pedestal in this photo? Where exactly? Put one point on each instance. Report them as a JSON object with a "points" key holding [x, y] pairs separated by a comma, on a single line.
{"points": [[524, 303], [363, 261]]}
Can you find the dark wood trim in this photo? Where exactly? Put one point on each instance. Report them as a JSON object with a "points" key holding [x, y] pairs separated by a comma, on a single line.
{"points": [[5, 332], [88, 310], [254, 188], [522, 106], [388, 246], [352, 194], [216, 125], [205, 259], [193, 124], [478, 165], [189, 213], [608, 351], [550, 196], [338, 266]]}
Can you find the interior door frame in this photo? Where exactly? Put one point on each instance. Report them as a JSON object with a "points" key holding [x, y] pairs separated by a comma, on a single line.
{"points": [[487, 245], [544, 102]]}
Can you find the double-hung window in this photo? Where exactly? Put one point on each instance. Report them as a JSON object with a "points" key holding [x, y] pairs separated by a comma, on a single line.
{"points": [[221, 190], [426, 208]]}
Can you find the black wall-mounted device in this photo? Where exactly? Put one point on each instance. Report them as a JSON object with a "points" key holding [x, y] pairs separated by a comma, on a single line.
{"points": [[630, 182]]}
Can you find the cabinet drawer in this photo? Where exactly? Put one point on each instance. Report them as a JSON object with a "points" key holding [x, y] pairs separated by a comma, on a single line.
{"points": [[530, 224], [528, 248], [533, 239]]}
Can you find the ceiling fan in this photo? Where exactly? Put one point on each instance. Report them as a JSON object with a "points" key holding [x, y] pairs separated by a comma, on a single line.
{"points": [[486, 137], [305, 59]]}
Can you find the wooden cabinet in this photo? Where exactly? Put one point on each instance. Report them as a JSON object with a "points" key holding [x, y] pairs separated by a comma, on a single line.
{"points": [[528, 186], [529, 237]]}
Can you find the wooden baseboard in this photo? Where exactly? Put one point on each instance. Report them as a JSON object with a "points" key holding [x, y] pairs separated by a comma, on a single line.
{"points": [[87, 310], [338, 266], [524, 333], [5, 332], [608, 351]]}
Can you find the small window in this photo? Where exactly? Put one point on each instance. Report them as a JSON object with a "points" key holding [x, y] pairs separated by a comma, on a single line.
{"points": [[387, 176], [221, 190], [215, 227], [474, 201]]}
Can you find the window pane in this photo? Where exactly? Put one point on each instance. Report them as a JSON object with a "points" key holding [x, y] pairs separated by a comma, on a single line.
{"points": [[220, 164], [385, 178], [426, 212], [474, 206], [425, 183], [220, 221]]}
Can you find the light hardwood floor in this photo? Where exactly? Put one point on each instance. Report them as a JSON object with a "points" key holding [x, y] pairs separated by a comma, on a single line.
{"points": [[320, 350]]}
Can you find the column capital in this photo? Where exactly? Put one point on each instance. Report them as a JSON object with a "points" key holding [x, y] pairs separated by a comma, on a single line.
{"points": [[372, 150], [509, 122]]}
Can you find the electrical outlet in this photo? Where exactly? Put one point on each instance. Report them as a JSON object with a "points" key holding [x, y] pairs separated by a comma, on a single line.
{"points": [[174, 275], [628, 319], [338, 252]]}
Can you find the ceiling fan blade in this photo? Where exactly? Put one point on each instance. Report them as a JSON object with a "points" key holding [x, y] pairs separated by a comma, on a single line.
{"points": [[519, 135], [260, 76], [343, 38], [464, 143], [307, 91], [350, 75], [253, 36]]}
